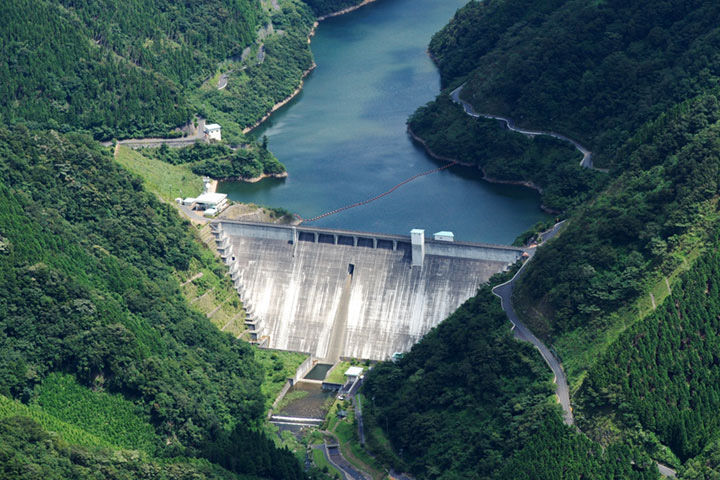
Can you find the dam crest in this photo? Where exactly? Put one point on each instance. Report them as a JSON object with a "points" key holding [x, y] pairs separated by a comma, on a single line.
{"points": [[339, 293]]}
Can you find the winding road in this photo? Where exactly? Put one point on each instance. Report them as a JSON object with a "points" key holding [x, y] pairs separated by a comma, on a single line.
{"points": [[505, 290], [522, 332], [586, 161]]}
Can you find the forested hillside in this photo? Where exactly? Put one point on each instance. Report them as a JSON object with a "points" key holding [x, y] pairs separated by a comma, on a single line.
{"points": [[650, 222], [142, 68], [662, 373], [625, 295], [181, 40], [28, 451], [87, 287], [595, 71], [547, 164], [324, 7], [219, 161], [470, 402], [74, 83]]}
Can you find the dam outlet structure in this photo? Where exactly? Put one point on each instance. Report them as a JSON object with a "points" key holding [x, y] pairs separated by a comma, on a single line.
{"points": [[339, 293]]}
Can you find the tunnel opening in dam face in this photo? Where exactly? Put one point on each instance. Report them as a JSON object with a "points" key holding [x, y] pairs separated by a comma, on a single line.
{"points": [[336, 293]]}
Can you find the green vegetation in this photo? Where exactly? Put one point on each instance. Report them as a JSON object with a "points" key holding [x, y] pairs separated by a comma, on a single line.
{"points": [[337, 374], [552, 165], [469, 401], [662, 373], [625, 294], [325, 7], [649, 222], [278, 367], [343, 430], [271, 72], [167, 181], [318, 458], [75, 83], [88, 265], [29, 451], [105, 415], [139, 68], [70, 433], [595, 71], [181, 41], [219, 161]]}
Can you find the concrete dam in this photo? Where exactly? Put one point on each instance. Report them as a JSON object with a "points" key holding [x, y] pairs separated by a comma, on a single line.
{"points": [[334, 293]]}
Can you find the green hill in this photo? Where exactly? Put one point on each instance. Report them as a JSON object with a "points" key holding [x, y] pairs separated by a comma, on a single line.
{"points": [[88, 287], [142, 68], [624, 294], [469, 401]]}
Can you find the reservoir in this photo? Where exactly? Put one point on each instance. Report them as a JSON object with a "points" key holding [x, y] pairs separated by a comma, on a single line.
{"points": [[343, 138]]}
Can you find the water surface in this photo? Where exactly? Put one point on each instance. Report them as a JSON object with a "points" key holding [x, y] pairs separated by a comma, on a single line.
{"points": [[343, 138]]}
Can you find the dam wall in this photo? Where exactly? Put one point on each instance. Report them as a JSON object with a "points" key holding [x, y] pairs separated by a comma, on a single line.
{"points": [[353, 294]]}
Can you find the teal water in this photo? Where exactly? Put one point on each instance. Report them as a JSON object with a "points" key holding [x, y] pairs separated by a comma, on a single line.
{"points": [[343, 139]]}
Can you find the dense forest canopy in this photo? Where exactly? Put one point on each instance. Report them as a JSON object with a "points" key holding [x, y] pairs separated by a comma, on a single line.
{"points": [[28, 451], [74, 83], [548, 164], [663, 372], [86, 265], [469, 401], [220, 161], [143, 68], [595, 71], [625, 294], [641, 224], [181, 40]]}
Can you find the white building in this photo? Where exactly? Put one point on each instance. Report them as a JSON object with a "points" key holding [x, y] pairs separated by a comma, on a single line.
{"points": [[353, 373], [207, 201], [444, 236], [212, 132]]}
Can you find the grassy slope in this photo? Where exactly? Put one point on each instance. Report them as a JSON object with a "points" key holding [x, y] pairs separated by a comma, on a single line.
{"points": [[205, 284], [167, 181], [108, 416], [69, 432]]}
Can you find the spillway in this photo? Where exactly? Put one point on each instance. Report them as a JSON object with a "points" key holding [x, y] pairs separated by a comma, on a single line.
{"points": [[334, 293]]}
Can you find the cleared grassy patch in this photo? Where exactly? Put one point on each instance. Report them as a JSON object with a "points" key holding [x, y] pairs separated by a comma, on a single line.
{"points": [[108, 416], [70, 433], [165, 180], [278, 367], [337, 374]]}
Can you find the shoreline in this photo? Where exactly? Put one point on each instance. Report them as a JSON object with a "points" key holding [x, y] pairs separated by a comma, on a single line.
{"points": [[307, 72], [284, 102], [345, 10], [214, 184], [485, 177]]}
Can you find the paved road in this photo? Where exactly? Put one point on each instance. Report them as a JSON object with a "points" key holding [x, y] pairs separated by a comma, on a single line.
{"points": [[667, 471], [521, 331], [510, 124], [222, 82], [333, 455], [171, 142], [505, 290]]}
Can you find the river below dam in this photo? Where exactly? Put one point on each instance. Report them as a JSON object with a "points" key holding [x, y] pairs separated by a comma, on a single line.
{"points": [[343, 139]]}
